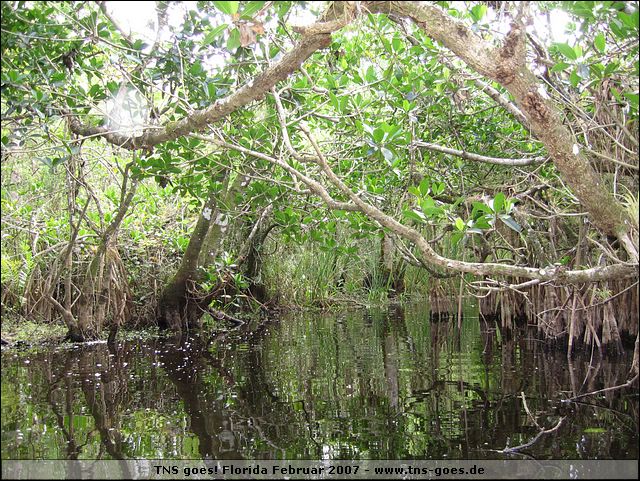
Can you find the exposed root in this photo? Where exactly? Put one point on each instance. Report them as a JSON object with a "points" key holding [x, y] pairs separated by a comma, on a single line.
{"points": [[99, 296]]}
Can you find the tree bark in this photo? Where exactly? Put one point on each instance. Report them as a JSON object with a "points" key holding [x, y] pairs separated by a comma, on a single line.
{"points": [[182, 303]]}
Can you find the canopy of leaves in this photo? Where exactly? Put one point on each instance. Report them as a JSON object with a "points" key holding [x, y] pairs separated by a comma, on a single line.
{"points": [[372, 99]]}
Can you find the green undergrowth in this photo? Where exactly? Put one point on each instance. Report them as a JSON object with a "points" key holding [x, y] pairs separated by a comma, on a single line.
{"points": [[26, 331]]}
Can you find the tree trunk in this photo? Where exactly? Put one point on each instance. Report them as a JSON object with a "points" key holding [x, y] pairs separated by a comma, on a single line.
{"points": [[251, 257], [391, 269], [173, 306], [635, 364], [182, 304]]}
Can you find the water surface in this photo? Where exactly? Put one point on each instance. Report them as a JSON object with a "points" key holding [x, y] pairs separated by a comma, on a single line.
{"points": [[353, 385]]}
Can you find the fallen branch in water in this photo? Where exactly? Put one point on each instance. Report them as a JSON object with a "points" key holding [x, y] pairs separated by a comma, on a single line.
{"points": [[223, 316], [542, 432]]}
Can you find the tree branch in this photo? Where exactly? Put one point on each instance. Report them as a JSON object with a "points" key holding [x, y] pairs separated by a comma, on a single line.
{"points": [[315, 186], [477, 157], [315, 37], [556, 273]]}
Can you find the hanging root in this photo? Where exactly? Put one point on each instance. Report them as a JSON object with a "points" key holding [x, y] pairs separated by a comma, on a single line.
{"points": [[99, 296], [45, 282], [442, 307]]}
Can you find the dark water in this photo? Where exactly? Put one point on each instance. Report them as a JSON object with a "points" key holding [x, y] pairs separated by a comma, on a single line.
{"points": [[356, 385]]}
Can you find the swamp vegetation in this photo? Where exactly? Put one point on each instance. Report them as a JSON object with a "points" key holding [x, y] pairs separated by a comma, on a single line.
{"points": [[213, 168]]}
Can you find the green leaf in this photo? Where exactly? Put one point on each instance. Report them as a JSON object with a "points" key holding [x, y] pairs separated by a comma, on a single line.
{"points": [[210, 90], [274, 50], [227, 7], [334, 100], [633, 98], [566, 50], [182, 243], [283, 8], [414, 215], [213, 34], [95, 91], [397, 44], [196, 68], [455, 238], [387, 45], [251, 8], [392, 131], [427, 203], [139, 45], [560, 67], [424, 186], [610, 68], [233, 42], [370, 76], [498, 202], [459, 224], [616, 94], [479, 208], [600, 42], [432, 212], [574, 78], [597, 69], [438, 188], [578, 50], [511, 223], [478, 12], [482, 223], [630, 21]]}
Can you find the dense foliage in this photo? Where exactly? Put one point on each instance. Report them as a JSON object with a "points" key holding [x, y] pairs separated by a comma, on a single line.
{"points": [[239, 153]]}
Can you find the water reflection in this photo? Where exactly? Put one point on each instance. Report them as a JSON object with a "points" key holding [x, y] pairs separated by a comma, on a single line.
{"points": [[377, 385]]}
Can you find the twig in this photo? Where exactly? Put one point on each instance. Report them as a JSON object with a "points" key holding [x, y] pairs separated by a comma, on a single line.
{"points": [[629, 383], [516, 449], [226, 317], [542, 432], [526, 408]]}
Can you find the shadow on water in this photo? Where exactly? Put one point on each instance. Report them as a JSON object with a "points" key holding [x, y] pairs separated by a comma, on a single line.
{"points": [[375, 384]]}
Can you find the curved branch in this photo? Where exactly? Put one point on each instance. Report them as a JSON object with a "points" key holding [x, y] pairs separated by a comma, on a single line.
{"points": [[516, 449], [315, 37], [502, 101], [127, 36], [478, 157], [552, 273], [629, 383], [315, 187], [555, 273]]}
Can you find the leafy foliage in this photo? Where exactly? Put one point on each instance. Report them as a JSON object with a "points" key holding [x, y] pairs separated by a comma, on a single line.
{"points": [[379, 90]]}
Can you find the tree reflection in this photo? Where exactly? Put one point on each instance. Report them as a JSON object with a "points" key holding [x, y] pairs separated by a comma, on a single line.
{"points": [[378, 385]]}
